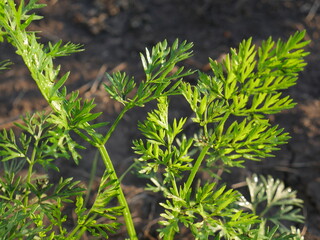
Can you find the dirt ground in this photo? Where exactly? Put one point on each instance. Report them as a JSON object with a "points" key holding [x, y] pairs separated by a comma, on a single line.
{"points": [[113, 32]]}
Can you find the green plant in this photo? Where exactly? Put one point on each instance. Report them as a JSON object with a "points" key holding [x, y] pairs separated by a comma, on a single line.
{"points": [[230, 108]]}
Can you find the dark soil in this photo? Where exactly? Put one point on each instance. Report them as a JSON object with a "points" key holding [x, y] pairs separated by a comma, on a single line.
{"points": [[113, 32]]}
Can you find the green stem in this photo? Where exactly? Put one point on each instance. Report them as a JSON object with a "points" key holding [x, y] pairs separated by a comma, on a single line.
{"points": [[92, 176], [31, 162], [75, 231], [121, 198], [189, 182], [28, 180], [136, 101], [264, 212], [195, 168], [80, 234], [30, 170], [131, 104], [84, 137], [170, 235], [115, 123], [205, 127], [127, 171]]}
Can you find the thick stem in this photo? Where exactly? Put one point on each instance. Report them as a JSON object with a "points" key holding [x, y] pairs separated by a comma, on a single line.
{"points": [[121, 198]]}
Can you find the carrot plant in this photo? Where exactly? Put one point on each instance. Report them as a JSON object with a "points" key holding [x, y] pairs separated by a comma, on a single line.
{"points": [[230, 107]]}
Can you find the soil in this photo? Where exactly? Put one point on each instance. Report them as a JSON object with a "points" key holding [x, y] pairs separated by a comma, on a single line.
{"points": [[113, 32]]}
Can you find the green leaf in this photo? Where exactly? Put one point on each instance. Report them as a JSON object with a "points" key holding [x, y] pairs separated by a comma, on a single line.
{"points": [[59, 84], [4, 64], [280, 203]]}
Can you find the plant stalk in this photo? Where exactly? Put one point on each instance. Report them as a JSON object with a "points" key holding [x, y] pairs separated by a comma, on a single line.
{"points": [[196, 167], [170, 235], [115, 123], [31, 162], [121, 198]]}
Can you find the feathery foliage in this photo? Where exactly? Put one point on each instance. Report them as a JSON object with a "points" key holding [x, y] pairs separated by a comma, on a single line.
{"points": [[230, 107]]}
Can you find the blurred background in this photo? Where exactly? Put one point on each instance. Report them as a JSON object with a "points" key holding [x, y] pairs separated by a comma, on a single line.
{"points": [[113, 32]]}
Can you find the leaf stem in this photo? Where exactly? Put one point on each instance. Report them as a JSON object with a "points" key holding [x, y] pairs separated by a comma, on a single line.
{"points": [[121, 198], [170, 235], [92, 175], [127, 171], [75, 231], [195, 168], [115, 123], [188, 184], [31, 162]]}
